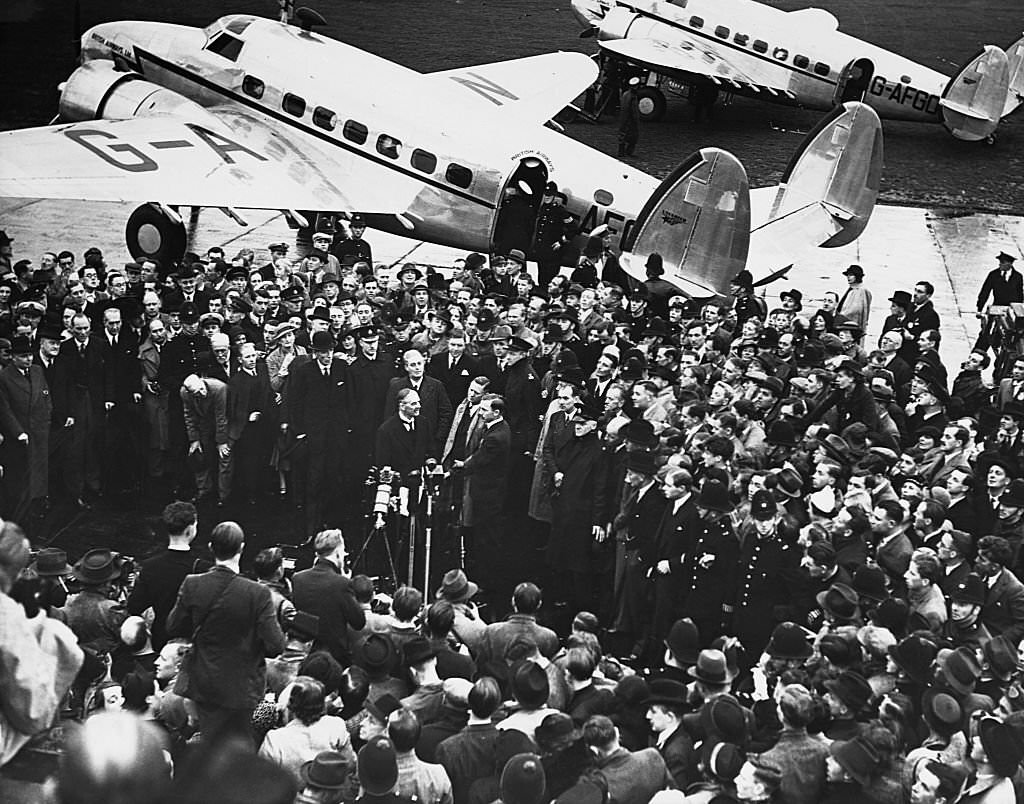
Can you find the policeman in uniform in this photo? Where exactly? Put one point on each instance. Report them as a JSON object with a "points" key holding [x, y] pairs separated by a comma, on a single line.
{"points": [[353, 249], [766, 554], [710, 568], [745, 304], [555, 225]]}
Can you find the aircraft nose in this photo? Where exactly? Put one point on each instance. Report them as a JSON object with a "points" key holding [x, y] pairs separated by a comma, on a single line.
{"points": [[589, 12]]}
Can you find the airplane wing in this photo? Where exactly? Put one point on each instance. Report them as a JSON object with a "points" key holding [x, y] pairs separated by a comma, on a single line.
{"points": [[224, 159], [533, 89], [693, 57]]}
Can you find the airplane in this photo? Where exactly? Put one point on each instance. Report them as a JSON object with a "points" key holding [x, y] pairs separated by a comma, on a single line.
{"points": [[798, 58], [252, 113]]}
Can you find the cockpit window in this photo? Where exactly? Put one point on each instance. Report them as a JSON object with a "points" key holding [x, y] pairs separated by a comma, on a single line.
{"points": [[225, 45], [237, 24]]}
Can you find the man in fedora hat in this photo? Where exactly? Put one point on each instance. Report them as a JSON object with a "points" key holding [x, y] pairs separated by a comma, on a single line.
{"points": [[846, 696], [711, 565], [419, 656]]}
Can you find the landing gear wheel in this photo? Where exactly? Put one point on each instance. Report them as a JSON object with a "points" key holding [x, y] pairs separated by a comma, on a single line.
{"points": [[651, 102], [151, 235]]}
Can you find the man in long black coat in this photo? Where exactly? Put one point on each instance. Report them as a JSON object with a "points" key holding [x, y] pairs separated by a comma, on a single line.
{"points": [[25, 425], [435, 407], [370, 376], [58, 379], [579, 505], [672, 544], [405, 440], [1004, 283], [250, 404], [92, 391], [318, 415], [454, 368], [523, 410], [122, 433], [486, 470]]}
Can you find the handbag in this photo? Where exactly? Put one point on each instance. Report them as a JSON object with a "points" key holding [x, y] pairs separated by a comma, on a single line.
{"points": [[181, 684]]}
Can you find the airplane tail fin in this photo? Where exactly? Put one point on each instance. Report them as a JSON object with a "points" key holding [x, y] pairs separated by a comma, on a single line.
{"points": [[698, 220], [828, 191], [1015, 91], [974, 100]]}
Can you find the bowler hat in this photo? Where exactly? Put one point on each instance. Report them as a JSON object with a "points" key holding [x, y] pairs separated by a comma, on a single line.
{"points": [[642, 462], [851, 688], [892, 613], [328, 770], [1002, 745], [714, 496], [417, 650], [322, 341], [52, 562], [788, 642], [556, 729], [523, 780], [711, 668], [840, 601], [900, 297], [666, 691], [857, 757], [378, 766], [640, 431], [970, 590], [98, 566], [456, 587], [682, 641]]}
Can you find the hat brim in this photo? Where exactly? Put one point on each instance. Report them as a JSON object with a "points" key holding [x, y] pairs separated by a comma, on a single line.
{"points": [[57, 573], [917, 675], [114, 572], [664, 700], [820, 597], [804, 654], [462, 597], [694, 672], [304, 775]]}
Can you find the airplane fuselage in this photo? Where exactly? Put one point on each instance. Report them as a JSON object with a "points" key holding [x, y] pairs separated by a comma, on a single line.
{"points": [[802, 51], [375, 115]]}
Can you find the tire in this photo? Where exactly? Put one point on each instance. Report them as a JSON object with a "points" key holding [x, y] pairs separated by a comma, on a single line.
{"points": [[149, 234], [652, 104]]}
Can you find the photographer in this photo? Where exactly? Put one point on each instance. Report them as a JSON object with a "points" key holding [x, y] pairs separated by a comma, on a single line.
{"points": [[95, 614]]}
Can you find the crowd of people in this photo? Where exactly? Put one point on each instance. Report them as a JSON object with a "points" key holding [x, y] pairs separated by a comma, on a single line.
{"points": [[790, 556]]}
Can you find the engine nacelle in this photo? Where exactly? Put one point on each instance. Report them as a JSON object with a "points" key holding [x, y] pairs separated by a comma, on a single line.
{"points": [[98, 91]]}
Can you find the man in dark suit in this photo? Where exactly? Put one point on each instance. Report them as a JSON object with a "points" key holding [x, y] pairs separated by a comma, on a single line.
{"points": [[405, 441], [188, 291], [465, 422], [317, 413], [523, 413], [122, 447], [250, 402], [630, 777], [233, 628], [370, 375], [161, 575], [486, 470], [435, 407], [326, 591], [93, 395], [456, 369], [672, 542], [25, 426], [58, 380], [920, 317], [1003, 610]]}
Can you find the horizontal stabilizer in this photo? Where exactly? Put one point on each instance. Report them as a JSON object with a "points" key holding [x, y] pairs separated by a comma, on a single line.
{"points": [[1015, 68], [828, 191], [974, 99], [698, 220]]}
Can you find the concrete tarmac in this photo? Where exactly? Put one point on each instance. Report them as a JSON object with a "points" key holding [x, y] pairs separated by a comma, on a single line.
{"points": [[901, 246]]}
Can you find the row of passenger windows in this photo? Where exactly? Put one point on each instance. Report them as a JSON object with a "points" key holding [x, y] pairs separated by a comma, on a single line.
{"points": [[355, 132], [759, 45]]}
